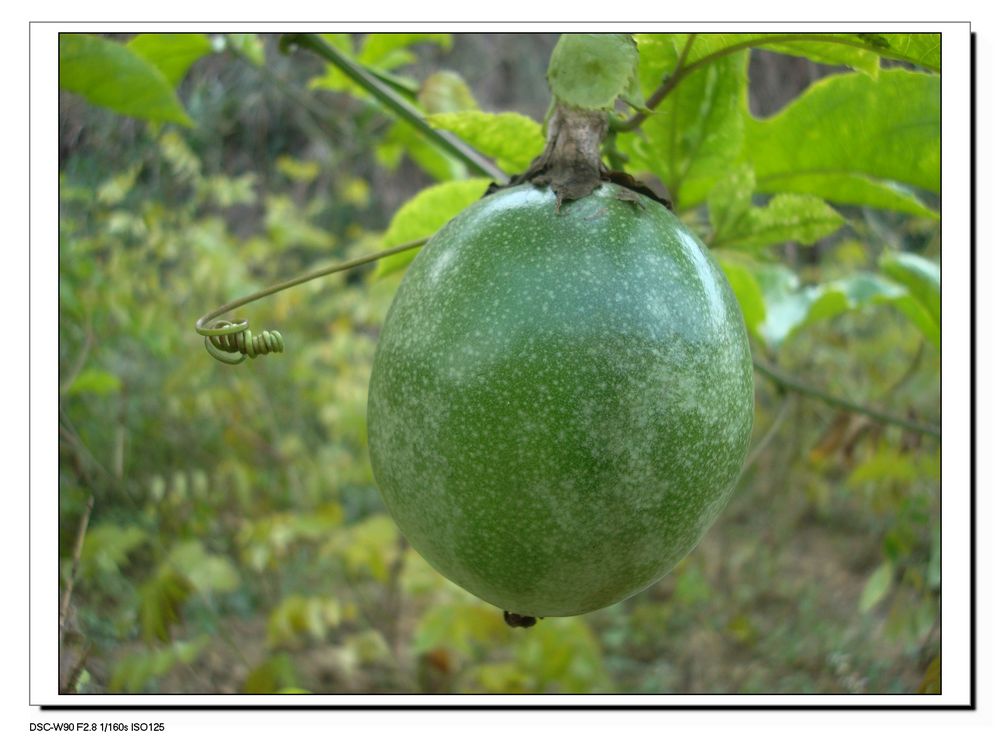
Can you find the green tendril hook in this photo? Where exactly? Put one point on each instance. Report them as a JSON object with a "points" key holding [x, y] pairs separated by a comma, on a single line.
{"points": [[232, 342]]}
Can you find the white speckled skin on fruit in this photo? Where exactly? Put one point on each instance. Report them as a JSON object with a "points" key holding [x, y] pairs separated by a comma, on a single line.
{"points": [[560, 403]]}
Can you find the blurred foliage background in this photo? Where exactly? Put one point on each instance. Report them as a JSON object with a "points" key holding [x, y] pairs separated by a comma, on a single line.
{"points": [[237, 543]]}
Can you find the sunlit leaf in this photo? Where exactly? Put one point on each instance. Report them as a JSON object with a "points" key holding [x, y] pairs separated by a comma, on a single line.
{"points": [[748, 293], [876, 587], [133, 671], [786, 218], [204, 571], [511, 139], [920, 49], [173, 54], [829, 49], [922, 278], [790, 306], [107, 546], [111, 75], [94, 381], [886, 133], [445, 91], [424, 214], [695, 136], [380, 49], [297, 169]]}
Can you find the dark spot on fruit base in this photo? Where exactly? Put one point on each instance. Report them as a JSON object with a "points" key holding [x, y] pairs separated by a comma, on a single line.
{"points": [[517, 620]]}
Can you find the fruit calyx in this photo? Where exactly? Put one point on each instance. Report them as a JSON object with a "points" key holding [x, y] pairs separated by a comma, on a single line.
{"points": [[571, 162]]}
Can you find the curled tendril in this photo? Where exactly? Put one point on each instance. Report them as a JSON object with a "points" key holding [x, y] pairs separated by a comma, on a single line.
{"points": [[233, 342]]}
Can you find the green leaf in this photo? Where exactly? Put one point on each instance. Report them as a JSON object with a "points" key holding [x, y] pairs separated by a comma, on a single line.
{"points": [[367, 547], [851, 139], [382, 50], [829, 49], [402, 138], [111, 75], [173, 54], [160, 601], [299, 618], [274, 675], [133, 671], [831, 53], [205, 572], [114, 189], [748, 293], [94, 381], [805, 219], [445, 91], [790, 308], [876, 587], [424, 214], [730, 200], [297, 170], [920, 49], [107, 547], [591, 71], [461, 627], [786, 218], [248, 46], [510, 139], [695, 136], [858, 51], [922, 279]]}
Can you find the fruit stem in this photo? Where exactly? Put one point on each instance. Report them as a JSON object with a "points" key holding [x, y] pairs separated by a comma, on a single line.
{"points": [[571, 162]]}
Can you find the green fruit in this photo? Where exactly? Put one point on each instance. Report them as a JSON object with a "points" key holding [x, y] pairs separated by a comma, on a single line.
{"points": [[560, 403]]}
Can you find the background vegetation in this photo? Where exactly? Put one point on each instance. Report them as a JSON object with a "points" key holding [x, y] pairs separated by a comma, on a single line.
{"points": [[234, 539]]}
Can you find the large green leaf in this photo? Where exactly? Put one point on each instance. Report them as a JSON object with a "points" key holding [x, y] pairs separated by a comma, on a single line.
{"points": [[829, 49], [851, 139], [511, 139], [920, 49], [591, 71], [173, 54], [695, 136], [858, 51], [108, 74], [424, 214]]}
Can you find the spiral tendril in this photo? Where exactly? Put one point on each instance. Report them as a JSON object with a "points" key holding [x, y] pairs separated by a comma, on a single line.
{"points": [[233, 342]]}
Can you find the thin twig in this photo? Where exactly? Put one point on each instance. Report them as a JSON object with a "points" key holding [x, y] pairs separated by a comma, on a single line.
{"points": [[668, 85], [772, 430], [81, 533], [69, 686], [791, 383], [400, 106], [81, 359], [393, 595]]}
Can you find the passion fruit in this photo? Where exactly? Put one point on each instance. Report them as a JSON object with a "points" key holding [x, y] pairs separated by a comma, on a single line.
{"points": [[561, 400]]}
